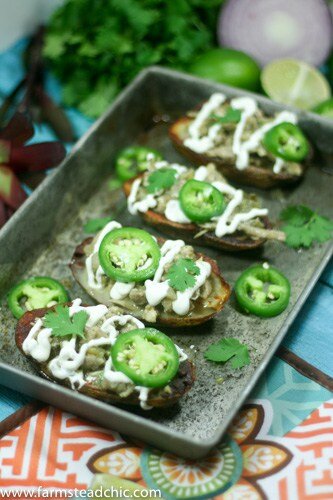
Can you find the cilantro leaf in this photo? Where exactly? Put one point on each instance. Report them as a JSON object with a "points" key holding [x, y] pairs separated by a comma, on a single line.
{"points": [[163, 178], [62, 324], [229, 348], [231, 116], [304, 226], [181, 274], [95, 225]]}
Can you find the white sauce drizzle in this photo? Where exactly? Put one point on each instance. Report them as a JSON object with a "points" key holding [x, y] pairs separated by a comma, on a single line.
{"points": [[69, 361], [242, 151], [278, 165], [95, 281], [120, 290], [157, 290], [173, 211], [194, 141], [139, 206], [248, 106]]}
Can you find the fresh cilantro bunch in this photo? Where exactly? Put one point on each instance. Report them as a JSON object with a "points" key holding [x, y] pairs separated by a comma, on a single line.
{"points": [[182, 273], [304, 226], [229, 349], [97, 47]]}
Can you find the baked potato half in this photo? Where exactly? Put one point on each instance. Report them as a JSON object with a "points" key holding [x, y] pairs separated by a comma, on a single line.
{"points": [[260, 170], [204, 308], [157, 397], [237, 242]]}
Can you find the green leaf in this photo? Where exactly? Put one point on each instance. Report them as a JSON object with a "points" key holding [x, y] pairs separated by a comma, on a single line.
{"points": [[181, 274], [226, 349], [231, 116], [304, 226], [62, 324], [163, 178], [95, 225]]}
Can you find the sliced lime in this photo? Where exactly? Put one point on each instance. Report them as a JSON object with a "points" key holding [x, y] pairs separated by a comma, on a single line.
{"points": [[294, 82]]}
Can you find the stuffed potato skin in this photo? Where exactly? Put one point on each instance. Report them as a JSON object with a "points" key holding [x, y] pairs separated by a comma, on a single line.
{"points": [[179, 386]]}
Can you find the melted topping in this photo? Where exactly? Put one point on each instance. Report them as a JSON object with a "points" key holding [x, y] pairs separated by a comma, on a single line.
{"points": [[241, 149], [228, 222], [68, 363]]}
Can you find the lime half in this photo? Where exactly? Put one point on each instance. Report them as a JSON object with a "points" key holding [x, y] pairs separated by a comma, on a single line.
{"points": [[294, 82]]}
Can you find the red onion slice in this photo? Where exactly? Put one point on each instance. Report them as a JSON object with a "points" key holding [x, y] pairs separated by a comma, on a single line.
{"points": [[275, 29]]}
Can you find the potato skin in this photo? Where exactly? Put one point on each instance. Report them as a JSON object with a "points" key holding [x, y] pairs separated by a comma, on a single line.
{"points": [[222, 293], [179, 386], [229, 243], [252, 176]]}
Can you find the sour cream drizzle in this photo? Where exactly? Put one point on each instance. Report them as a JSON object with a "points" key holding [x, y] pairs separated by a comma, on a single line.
{"points": [[69, 361], [195, 141], [242, 149], [95, 280], [248, 107]]}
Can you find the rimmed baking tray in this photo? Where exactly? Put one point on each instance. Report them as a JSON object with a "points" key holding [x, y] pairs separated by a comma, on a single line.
{"points": [[41, 237]]}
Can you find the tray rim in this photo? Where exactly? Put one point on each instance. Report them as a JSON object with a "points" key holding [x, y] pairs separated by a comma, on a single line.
{"points": [[176, 441]]}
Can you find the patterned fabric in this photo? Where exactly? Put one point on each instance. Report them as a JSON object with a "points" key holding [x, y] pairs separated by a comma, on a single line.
{"points": [[56, 450]]}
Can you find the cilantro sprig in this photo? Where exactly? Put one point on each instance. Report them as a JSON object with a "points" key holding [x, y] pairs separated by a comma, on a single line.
{"points": [[62, 324], [231, 116], [182, 273], [163, 178], [304, 226], [229, 349]]}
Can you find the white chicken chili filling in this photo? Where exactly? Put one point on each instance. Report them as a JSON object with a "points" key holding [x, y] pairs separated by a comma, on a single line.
{"points": [[157, 291], [240, 207], [85, 360], [236, 140]]}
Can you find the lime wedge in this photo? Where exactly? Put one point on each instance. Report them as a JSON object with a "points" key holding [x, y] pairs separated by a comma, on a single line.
{"points": [[294, 82], [118, 488]]}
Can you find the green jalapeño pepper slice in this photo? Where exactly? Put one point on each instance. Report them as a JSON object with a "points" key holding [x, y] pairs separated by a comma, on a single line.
{"points": [[147, 356], [201, 201], [133, 160], [263, 291], [286, 141], [35, 293], [129, 254]]}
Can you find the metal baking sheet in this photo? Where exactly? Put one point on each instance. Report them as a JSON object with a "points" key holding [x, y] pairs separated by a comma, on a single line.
{"points": [[41, 237]]}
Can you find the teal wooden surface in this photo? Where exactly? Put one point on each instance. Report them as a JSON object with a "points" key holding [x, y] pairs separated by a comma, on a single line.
{"points": [[10, 402]]}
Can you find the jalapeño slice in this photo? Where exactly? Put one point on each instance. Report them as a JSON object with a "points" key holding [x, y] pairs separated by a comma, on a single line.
{"points": [[129, 255], [147, 356], [35, 293], [133, 160], [201, 201], [286, 141], [262, 291]]}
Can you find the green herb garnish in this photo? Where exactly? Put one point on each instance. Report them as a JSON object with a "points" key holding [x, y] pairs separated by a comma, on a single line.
{"points": [[231, 116], [96, 51], [163, 178], [62, 324], [304, 226], [181, 274], [95, 225], [229, 348]]}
